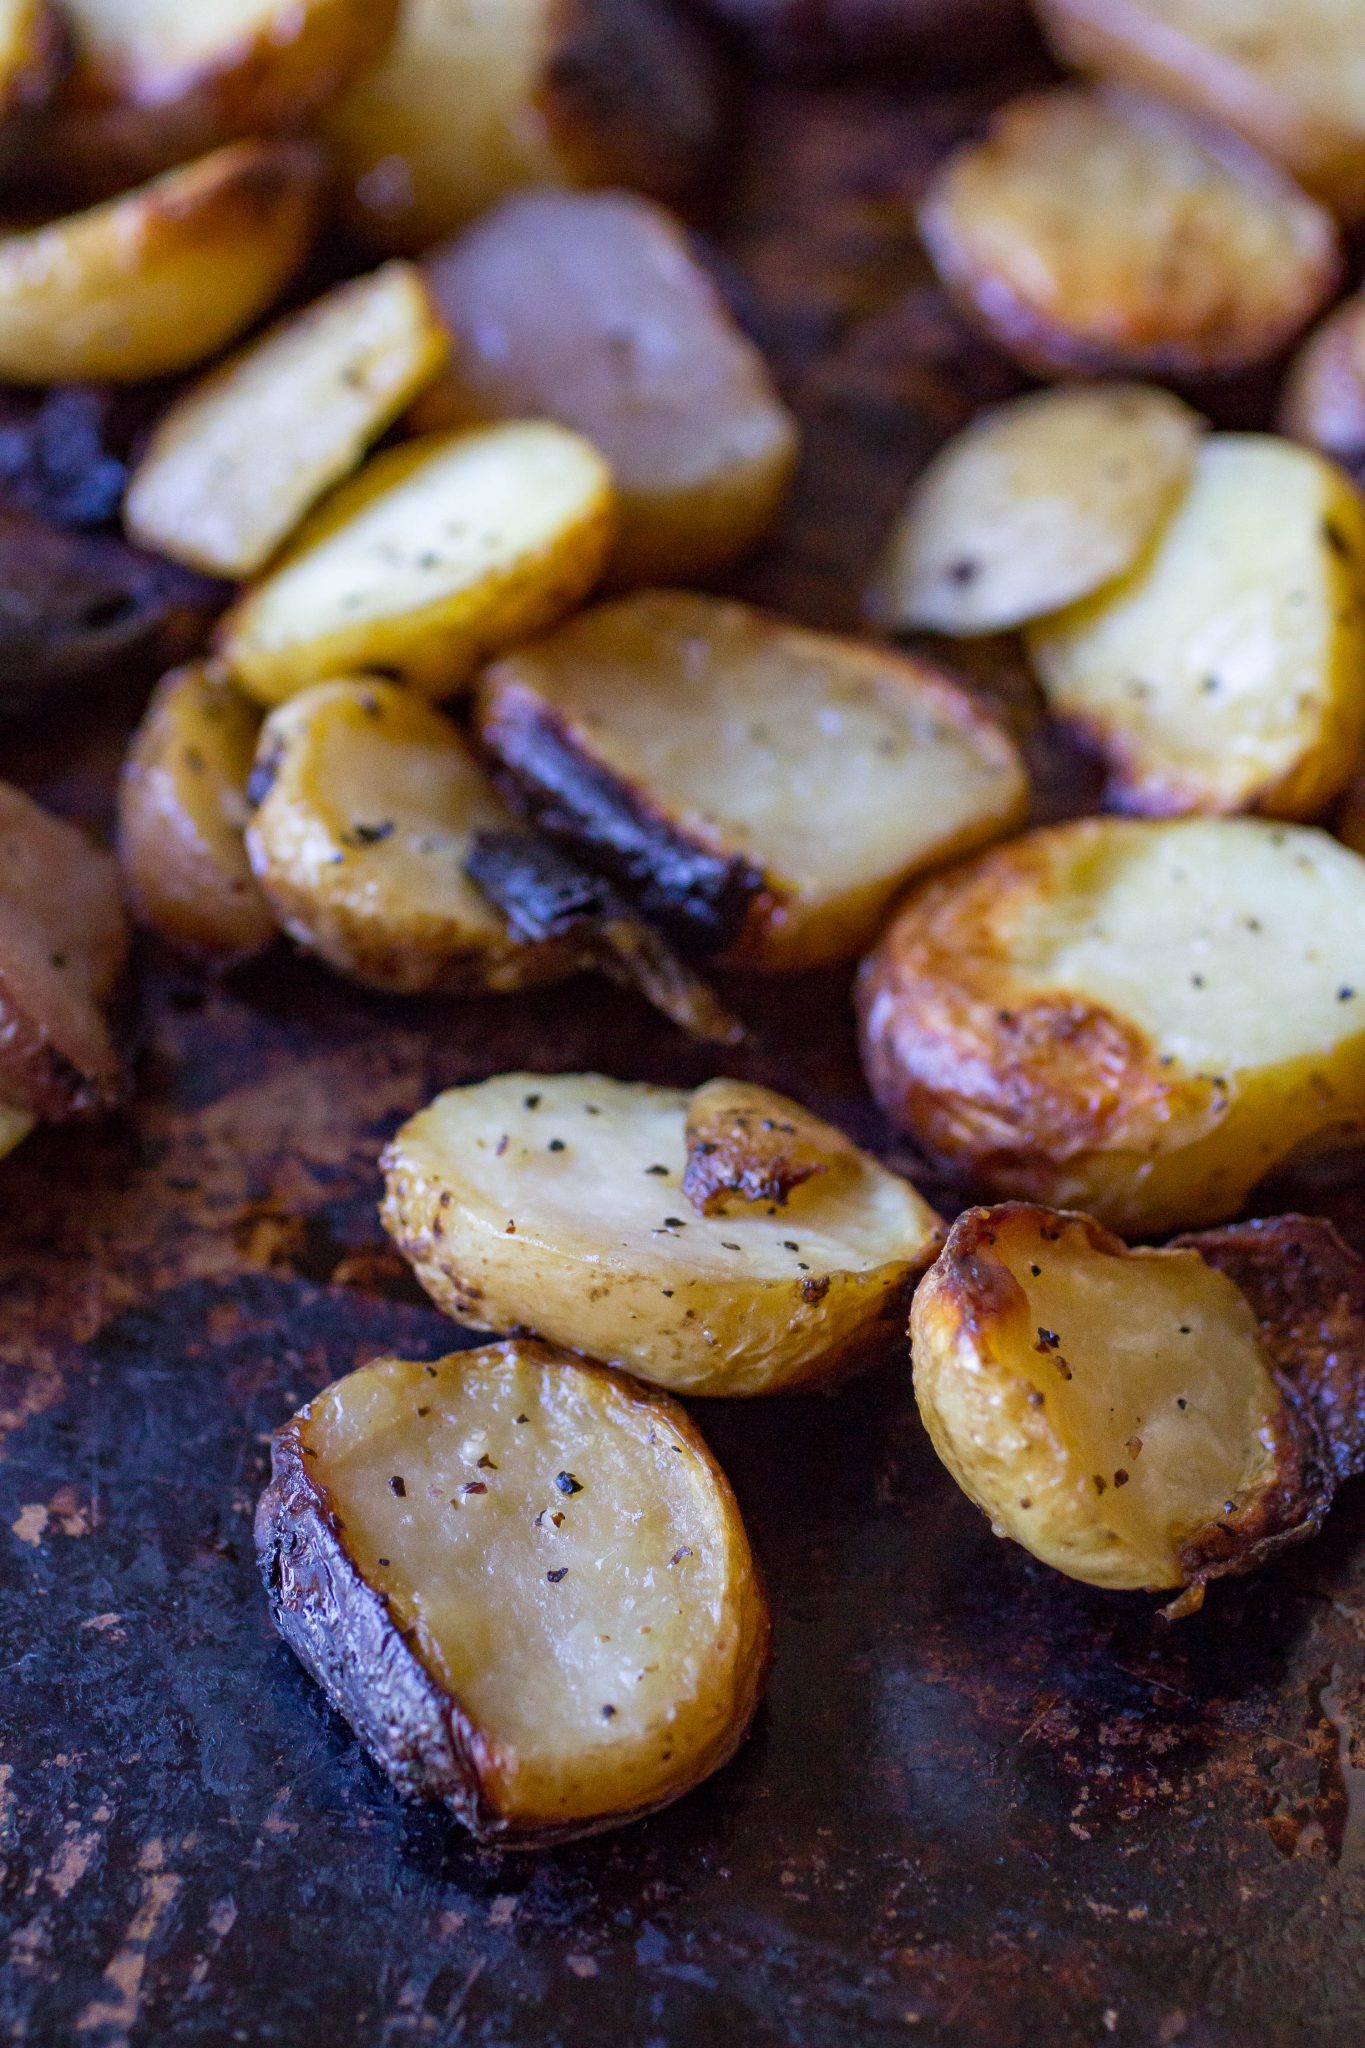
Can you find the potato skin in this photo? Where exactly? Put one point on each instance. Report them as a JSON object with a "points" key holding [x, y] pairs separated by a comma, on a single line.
{"points": [[1323, 402]]}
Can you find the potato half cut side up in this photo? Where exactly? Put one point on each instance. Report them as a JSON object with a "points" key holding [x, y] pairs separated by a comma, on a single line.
{"points": [[363, 805], [724, 1242], [1140, 1019], [240, 458], [1144, 1419], [154, 281], [441, 552], [764, 790], [642, 357], [1036, 504], [1092, 232], [525, 1583], [1226, 672]]}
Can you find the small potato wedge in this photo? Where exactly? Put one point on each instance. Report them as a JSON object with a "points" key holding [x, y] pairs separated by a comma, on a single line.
{"points": [[240, 458], [557, 1203], [156, 280], [642, 357], [1092, 232], [764, 790], [1226, 672], [441, 552], [1138, 1019], [1038, 503], [525, 1583], [1323, 402], [478, 98], [63, 944], [1291, 79], [157, 81], [363, 803], [1144, 1419], [182, 814]]}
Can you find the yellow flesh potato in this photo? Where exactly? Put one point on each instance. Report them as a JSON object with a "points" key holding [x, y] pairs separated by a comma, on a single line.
{"points": [[1101, 1405], [439, 553], [239, 459], [1227, 671], [1037, 504], [556, 1203]]}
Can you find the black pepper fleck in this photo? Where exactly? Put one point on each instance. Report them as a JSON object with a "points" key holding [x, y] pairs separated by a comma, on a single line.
{"points": [[562, 1572], [566, 1483]]}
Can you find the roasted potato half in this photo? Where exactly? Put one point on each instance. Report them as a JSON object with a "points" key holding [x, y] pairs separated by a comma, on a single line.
{"points": [[240, 458], [765, 790], [1151, 1419], [63, 943], [1324, 395], [1226, 672], [558, 1204], [524, 1582], [1135, 1018], [158, 279], [1291, 79], [642, 357], [441, 552], [182, 814], [157, 81], [364, 802], [477, 98], [1038, 503], [1098, 231]]}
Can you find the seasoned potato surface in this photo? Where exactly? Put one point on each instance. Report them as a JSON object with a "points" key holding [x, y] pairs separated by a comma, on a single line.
{"points": [[1140, 1019], [1098, 231], [765, 788], [523, 1580], [558, 1203]]}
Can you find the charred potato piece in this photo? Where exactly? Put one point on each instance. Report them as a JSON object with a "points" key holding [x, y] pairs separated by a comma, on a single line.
{"points": [[239, 459], [524, 1582], [642, 357], [182, 814], [63, 943], [158, 279], [1324, 395], [157, 81], [1097, 231], [477, 98], [1226, 672], [1038, 503], [1138, 1019], [558, 1204], [1144, 1419], [1289, 79], [441, 552], [765, 790], [364, 802]]}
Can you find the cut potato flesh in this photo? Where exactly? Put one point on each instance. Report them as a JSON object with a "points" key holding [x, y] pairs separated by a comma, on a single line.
{"points": [[365, 802], [766, 790], [525, 1583], [1099, 231], [1037, 504], [155, 281], [1291, 79], [438, 554], [1136, 1019], [557, 1204], [1324, 395], [237, 462], [182, 815], [1227, 671], [642, 357]]}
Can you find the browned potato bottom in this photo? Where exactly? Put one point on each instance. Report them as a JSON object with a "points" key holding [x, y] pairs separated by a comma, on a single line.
{"points": [[525, 1583], [1144, 1418]]}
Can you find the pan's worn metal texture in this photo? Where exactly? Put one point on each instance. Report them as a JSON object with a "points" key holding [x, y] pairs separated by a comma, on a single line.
{"points": [[983, 1805]]}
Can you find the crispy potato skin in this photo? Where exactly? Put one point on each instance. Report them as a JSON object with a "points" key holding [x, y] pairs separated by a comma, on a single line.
{"points": [[181, 818], [154, 281], [1016, 227], [1323, 402], [341, 1630]]}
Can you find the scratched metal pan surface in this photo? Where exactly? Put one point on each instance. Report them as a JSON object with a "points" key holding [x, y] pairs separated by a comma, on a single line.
{"points": [[982, 1806]]}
